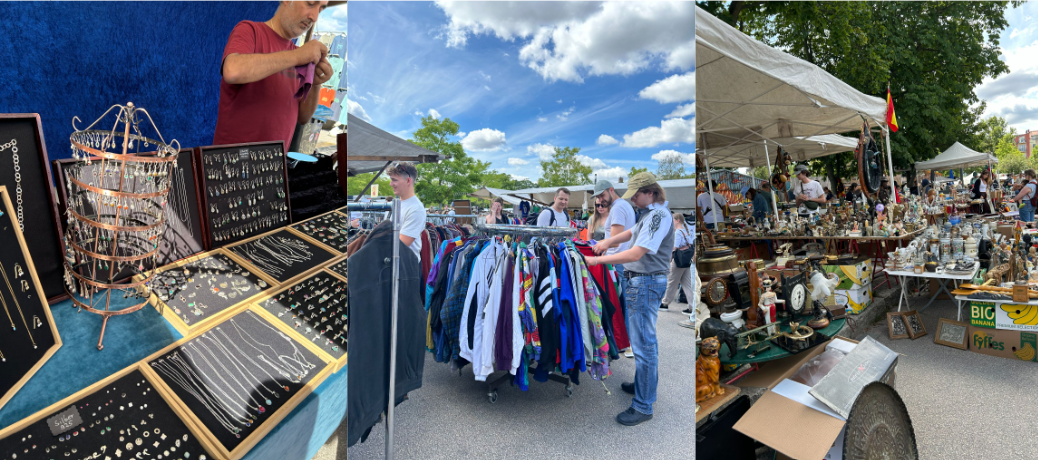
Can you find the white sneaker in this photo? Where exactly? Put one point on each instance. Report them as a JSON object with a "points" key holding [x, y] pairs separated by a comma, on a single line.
{"points": [[628, 353]]}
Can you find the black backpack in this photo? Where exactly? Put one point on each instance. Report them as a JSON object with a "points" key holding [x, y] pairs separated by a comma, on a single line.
{"points": [[1034, 194]]}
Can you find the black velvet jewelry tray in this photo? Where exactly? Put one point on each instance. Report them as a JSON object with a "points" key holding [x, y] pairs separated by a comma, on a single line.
{"points": [[124, 406], [39, 213], [339, 267], [246, 365], [254, 252], [223, 200], [315, 308], [190, 299], [28, 336], [328, 229]]}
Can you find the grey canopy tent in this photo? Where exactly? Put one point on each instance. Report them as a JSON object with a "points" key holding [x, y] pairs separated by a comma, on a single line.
{"points": [[370, 149], [957, 156], [681, 194]]}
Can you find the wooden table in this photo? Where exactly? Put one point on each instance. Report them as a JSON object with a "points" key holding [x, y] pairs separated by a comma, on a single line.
{"points": [[713, 404]]}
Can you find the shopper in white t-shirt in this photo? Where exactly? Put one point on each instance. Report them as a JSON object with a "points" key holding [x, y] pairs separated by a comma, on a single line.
{"points": [[555, 216], [710, 206], [402, 177], [807, 191], [621, 213]]}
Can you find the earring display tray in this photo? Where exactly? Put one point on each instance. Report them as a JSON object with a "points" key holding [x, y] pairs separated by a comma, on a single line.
{"points": [[204, 289], [33, 337], [25, 171], [315, 308], [244, 190], [339, 268], [329, 229], [122, 417], [282, 254], [238, 379]]}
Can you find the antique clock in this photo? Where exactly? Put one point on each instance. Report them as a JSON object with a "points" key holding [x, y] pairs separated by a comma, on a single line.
{"points": [[794, 292]]}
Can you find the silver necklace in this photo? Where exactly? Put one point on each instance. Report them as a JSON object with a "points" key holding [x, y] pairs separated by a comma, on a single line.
{"points": [[17, 178], [188, 386], [241, 368], [259, 406]]}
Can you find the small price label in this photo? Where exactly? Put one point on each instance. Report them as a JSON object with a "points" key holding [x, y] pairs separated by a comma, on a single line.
{"points": [[64, 421], [243, 154]]}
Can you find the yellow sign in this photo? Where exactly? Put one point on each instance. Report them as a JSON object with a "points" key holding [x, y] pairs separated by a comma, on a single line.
{"points": [[374, 189]]}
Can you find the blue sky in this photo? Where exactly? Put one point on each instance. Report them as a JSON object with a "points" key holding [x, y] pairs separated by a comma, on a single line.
{"points": [[1014, 96], [615, 79]]}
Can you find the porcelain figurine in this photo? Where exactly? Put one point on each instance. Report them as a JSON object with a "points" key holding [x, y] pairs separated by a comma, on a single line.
{"points": [[767, 304], [708, 369]]}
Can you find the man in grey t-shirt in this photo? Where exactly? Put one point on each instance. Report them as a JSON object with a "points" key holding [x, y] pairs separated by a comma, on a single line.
{"points": [[646, 265]]}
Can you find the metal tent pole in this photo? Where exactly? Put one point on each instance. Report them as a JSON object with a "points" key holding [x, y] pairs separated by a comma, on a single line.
{"points": [[890, 166], [710, 188], [392, 333], [774, 193]]}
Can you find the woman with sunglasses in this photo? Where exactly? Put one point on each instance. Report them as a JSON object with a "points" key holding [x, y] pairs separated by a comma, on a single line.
{"points": [[596, 225]]}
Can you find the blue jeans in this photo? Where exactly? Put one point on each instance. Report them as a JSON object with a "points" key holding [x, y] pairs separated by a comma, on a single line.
{"points": [[1026, 212], [643, 295]]}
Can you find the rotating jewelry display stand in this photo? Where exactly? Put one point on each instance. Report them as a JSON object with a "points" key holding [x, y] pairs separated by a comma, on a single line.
{"points": [[116, 214]]}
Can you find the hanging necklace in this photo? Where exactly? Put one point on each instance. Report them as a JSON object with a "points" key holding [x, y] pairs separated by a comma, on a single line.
{"points": [[16, 305], [13, 145]]}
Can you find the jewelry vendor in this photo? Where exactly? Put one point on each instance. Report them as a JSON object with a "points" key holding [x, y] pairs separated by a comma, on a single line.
{"points": [[260, 95]]}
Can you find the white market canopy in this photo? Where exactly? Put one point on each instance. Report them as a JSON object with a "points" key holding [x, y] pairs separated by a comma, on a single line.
{"points": [[681, 194], [488, 193], [754, 92], [801, 149], [957, 156], [370, 148]]}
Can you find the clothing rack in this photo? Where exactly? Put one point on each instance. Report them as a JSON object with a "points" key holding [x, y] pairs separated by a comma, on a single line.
{"points": [[461, 216], [397, 225], [493, 384], [369, 206]]}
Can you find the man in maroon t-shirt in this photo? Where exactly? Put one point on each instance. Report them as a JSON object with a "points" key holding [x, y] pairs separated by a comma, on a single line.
{"points": [[258, 91]]}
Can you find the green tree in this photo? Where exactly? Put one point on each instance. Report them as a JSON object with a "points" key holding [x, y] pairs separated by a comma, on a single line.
{"points": [[449, 179], [761, 172], [990, 132], [354, 185], [564, 169], [636, 170], [933, 54], [670, 168]]}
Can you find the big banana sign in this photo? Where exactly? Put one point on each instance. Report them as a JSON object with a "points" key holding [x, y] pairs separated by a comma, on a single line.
{"points": [[1006, 316]]}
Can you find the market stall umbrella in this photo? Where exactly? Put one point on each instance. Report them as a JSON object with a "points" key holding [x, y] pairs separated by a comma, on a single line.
{"points": [[800, 148], [369, 149], [681, 194], [957, 156], [488, 193]]}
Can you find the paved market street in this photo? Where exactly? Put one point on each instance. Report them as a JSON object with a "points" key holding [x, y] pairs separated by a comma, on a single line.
{"points": [[451, 417], [964, 404]]}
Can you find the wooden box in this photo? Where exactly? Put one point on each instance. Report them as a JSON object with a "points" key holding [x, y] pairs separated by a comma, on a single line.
{"points": [[320, 255]]}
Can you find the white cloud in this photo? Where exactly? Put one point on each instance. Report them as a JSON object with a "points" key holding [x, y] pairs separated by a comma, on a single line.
{"points": [[543, 151], [433, 113], [686, 158], [419, 113], [358, 96], [517, 162], [594, 163], [559, 101], [485, 76], [675, 88], [332, 20], [486, 87], [356, 110], [683, 110], [569, 40], [672, 131], [610, 174], [1014, 96], [1021, 33], [606, 140], [484, 140], [461, 133], [376, 99], [515, 177], [542, 119], [565, 115]]}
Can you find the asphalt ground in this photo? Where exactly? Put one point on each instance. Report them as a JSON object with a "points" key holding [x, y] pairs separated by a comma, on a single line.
{"points": [[451, 417], [964, 404]]}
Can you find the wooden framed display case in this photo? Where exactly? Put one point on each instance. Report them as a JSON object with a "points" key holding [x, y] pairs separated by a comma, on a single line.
{"points": [[326, 332], [25, 170], [243, 190], [204, 289], [338, 265], [234, 414], [184, 235], [126, 415], [282, 254], [33, 337], [328, 230]]}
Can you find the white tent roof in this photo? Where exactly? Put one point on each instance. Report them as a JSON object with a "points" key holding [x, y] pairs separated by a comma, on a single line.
{"points": [[800, 148], [681, 194], [488, 193], [370, 148], [748, 91], [957, 156]]}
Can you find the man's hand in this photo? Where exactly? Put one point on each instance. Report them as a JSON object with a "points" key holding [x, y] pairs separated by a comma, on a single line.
{"points": [[601, 247], [323, 72], [311, 51]]}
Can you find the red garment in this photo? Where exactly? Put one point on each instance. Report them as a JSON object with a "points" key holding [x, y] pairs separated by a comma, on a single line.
{"points": [[261, 111], [598, 272], [327, 97], [426, 258]]}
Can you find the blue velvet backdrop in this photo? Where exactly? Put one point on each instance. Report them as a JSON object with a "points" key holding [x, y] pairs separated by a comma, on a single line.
{"points": [[65, 59]]}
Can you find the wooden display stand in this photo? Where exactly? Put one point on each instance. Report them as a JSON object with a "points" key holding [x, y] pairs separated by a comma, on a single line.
{"points": [[463, 207], [185, 329], [337, 364], [313, 240], [22, 357], [711, 405], [208, 439], [332, 254]]}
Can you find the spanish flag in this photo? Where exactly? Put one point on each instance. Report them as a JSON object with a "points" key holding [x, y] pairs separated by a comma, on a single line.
{"points": [[891, 119]]}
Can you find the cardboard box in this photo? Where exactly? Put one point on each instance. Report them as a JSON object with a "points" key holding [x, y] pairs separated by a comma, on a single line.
{"points": [[852, 276], [936, 286], [817, 427], [1015, 345], [857, 299], [1004, 316]]}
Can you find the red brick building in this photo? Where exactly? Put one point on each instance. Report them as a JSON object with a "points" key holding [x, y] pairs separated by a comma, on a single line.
{"points": [[1026, 142]]}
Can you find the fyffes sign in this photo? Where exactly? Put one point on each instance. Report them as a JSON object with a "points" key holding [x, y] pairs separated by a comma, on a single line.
{"points": [[982, 340]]}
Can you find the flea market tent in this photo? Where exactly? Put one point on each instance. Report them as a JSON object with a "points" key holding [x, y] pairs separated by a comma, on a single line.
{"points": [[801, 149], [488, 193], [369, 149], [681, 194], [957, 156]]}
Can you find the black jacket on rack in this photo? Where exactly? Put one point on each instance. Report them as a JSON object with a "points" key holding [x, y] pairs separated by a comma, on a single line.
{"points": [[370, 273]]}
